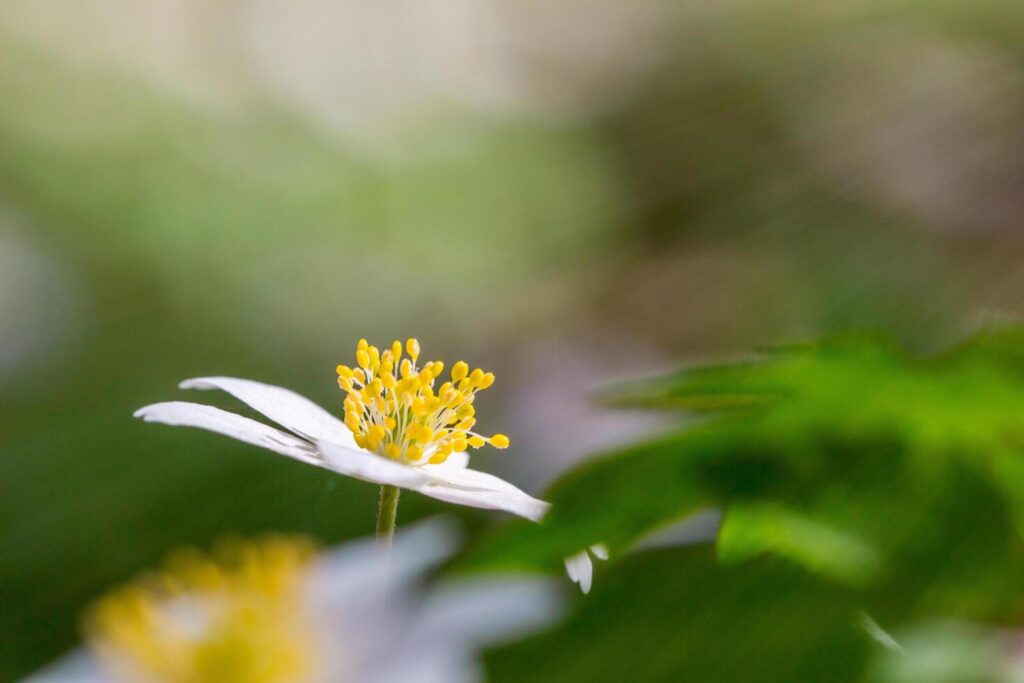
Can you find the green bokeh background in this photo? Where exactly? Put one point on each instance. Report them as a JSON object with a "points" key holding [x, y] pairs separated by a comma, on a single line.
{"points": [[762, 172]]}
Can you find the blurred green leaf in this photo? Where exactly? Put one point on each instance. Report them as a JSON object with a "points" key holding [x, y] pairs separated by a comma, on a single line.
{"points": [[749, 530], [676, 615], [945, 652], [887, 472]]}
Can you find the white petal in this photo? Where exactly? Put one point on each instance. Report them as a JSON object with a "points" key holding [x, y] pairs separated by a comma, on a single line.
{"points": [[359, 587], [288, 409], [77, 667], [480, 490], [486, 611], [600, 551], [360, 565], [182, 414], [440, 664], [371, 467], [580, 570]]}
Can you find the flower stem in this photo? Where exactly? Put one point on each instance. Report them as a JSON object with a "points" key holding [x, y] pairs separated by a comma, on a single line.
{"points": [[387, 514]]}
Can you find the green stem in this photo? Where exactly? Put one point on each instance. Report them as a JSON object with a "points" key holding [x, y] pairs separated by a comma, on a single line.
{"points": [[387, 514]]}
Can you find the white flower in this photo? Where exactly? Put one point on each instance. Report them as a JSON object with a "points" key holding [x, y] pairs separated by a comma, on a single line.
{"points": [[269, 612], [397, 431]]}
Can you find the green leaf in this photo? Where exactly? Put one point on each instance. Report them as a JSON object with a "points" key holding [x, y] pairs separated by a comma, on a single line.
{"points": [[751, 530], [676, 615], [893, 474]]}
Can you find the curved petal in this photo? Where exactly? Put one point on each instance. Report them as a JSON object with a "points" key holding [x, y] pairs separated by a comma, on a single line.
{"points": [[478, 489], [285, 407], [486, 611], [580, 570], [371, 467], [182, 414]]}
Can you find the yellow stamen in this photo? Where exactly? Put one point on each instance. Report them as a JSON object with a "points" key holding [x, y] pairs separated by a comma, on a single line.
{"points": [[393, 408], [236, 617]]}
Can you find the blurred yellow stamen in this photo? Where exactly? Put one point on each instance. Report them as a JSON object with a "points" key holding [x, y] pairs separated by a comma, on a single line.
{"points": [[400, 416], [234, 618]]}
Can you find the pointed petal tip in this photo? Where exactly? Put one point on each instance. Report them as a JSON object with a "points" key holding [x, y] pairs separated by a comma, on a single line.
{"points": [[202, 382], [580, 569], [145, 412]]}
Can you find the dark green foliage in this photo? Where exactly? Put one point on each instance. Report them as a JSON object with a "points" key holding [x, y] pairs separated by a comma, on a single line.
{"points": [[892, 476], [675, 615]]}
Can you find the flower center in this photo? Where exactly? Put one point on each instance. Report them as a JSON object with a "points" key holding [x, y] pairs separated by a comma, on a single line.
{"points": [[393, 409], [236, 619]]}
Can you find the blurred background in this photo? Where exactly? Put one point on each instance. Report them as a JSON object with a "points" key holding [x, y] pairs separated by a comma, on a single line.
{"points": [[569, 193]]}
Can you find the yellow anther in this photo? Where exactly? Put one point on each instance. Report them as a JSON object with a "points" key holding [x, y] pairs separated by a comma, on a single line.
{"points": [[418, 407], [438, 458], [393, 407], [376, 436]]}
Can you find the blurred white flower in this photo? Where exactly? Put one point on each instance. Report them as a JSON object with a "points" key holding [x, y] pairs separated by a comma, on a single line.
{"points": [[397, 431], [271, 612]]}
